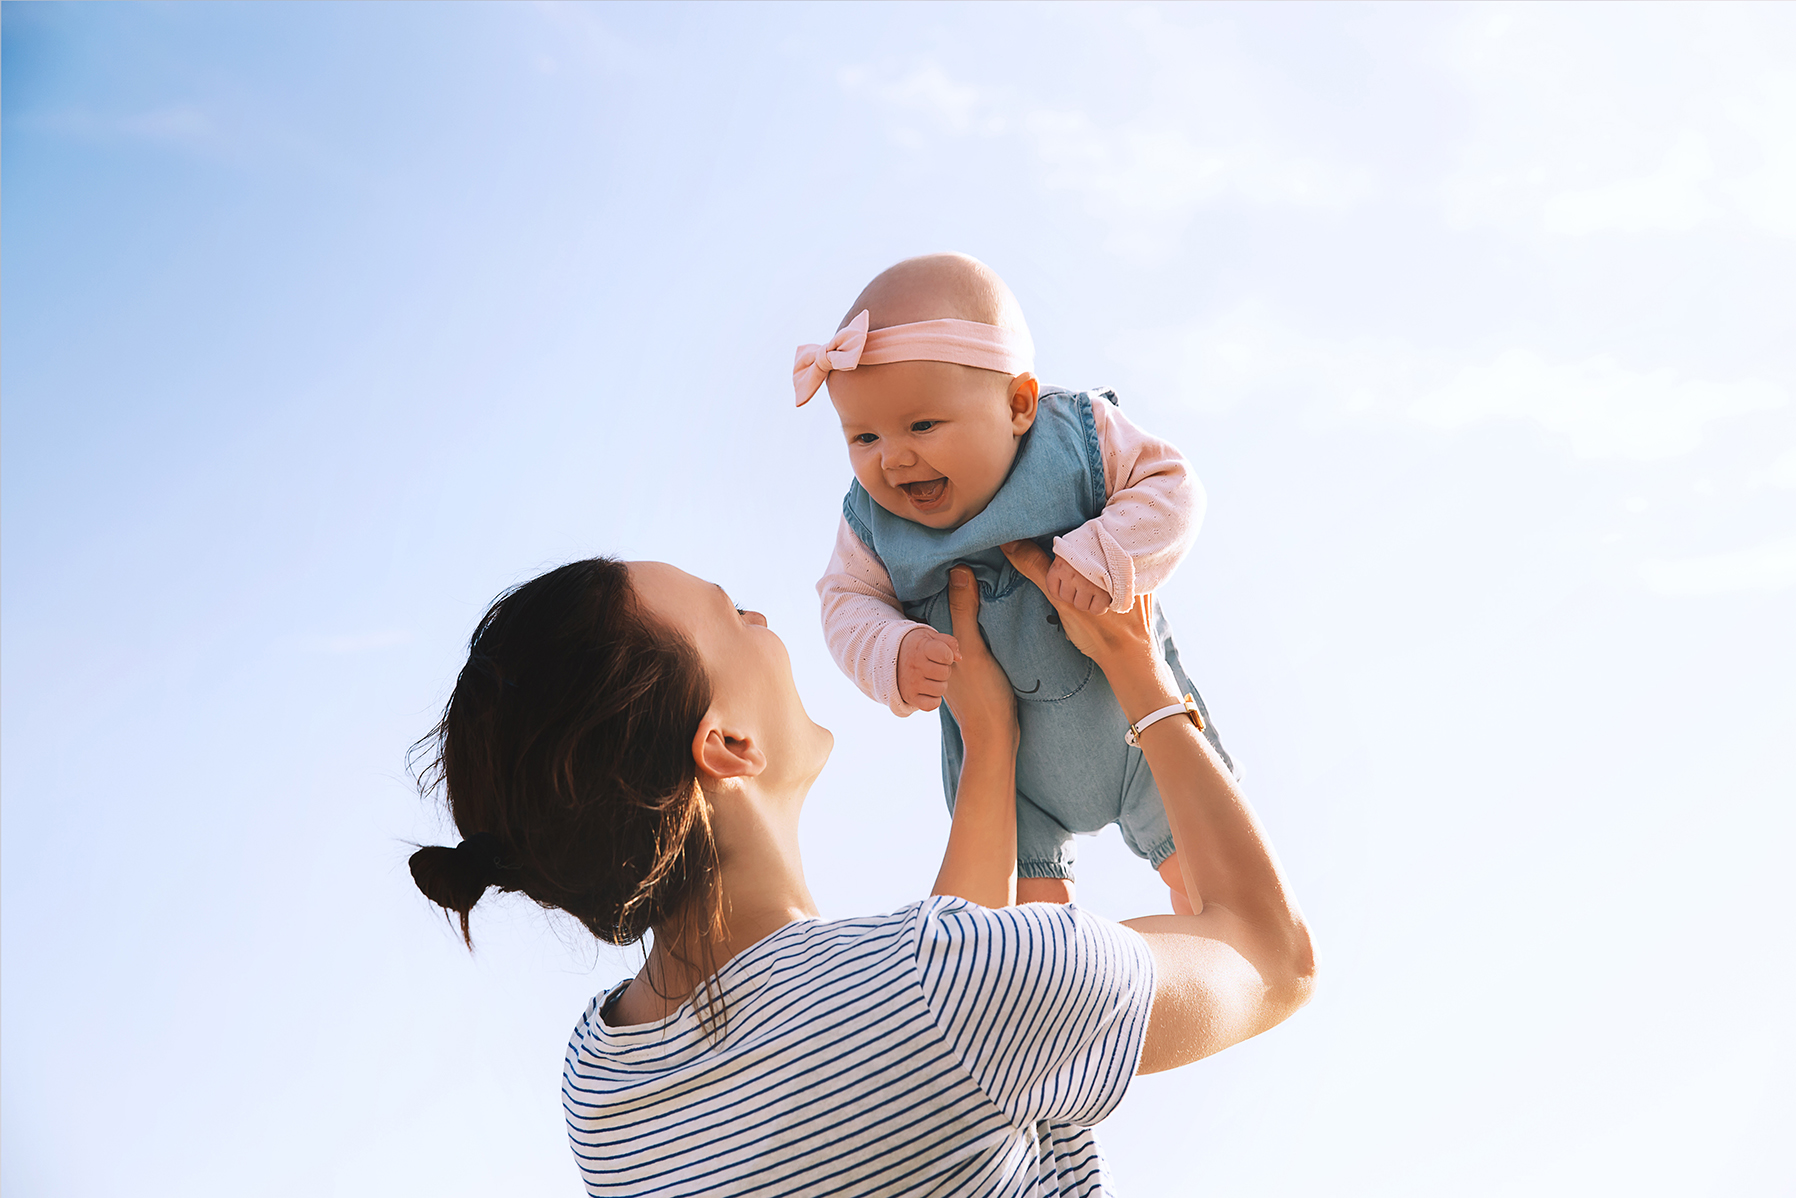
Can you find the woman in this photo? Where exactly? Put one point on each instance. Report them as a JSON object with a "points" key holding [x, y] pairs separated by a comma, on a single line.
{"points": [[627, 745]]}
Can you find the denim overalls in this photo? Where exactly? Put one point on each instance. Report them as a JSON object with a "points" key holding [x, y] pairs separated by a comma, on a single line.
{"points": [[1074, 772]]}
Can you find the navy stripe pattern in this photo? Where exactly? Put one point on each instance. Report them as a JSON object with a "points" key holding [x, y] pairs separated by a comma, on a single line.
{"points": [[943, 1049]]}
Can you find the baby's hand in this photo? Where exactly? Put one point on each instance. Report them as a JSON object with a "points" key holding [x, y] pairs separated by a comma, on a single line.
{"points": [[925, 663], [1074, 589]]}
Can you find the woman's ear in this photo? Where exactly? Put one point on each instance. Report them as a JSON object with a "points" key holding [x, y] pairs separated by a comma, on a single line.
{"points": [[719, 754], [1025, 392]]}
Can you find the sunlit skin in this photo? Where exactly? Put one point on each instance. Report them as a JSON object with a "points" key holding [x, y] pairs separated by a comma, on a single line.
{"points": [[1240, 965], [757, 752], [933, 442], [755, 708], [957, 287]]}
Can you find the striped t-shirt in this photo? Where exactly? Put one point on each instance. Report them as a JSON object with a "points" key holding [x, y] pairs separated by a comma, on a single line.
{"points": [[942, 1049]]}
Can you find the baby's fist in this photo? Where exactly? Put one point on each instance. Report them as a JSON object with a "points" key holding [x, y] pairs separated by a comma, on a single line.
{"points": [[925, 663], [1074, 590]]}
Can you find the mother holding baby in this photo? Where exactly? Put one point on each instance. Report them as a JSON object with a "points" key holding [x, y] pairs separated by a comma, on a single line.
{"points": [[627, 745]]}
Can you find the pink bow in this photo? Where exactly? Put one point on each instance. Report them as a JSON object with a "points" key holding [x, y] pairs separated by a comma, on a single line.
{"points": [[814, 362]]}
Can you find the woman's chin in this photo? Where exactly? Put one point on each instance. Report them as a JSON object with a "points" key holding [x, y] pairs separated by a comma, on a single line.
{"points": [[823, 742]]}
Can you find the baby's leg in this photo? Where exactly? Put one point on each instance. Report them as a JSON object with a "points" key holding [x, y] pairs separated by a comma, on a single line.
{"points": [[1044, 855], [1175, 882], [1044, 890]]}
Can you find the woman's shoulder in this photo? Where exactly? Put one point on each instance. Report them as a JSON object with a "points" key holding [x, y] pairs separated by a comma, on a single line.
{"points": [[1029, 934], [1044, 1004], [947, 926], [828, 937], [940, 942], [805, 954]]}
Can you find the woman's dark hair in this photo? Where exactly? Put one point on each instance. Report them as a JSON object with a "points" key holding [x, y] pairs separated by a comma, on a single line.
{"points": [[565, 756]]}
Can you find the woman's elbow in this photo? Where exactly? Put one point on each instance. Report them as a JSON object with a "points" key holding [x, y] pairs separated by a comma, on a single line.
{"points": [[1294, 979]]}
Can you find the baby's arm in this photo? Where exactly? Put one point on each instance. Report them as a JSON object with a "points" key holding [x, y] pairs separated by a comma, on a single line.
{"points": [[895, 661], [1148, 523]]}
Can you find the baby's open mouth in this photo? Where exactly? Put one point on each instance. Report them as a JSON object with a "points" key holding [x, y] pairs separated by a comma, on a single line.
{"points": [[925, 493]]}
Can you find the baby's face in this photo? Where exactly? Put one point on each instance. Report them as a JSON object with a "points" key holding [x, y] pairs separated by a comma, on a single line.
{"points": [[931, 441]]}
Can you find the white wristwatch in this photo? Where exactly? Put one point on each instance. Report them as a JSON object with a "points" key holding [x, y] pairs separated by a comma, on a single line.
{"points": [[1188, 707]]}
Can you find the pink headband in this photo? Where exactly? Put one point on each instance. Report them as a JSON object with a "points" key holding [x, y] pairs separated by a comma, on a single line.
{"points": [[964, 342]]}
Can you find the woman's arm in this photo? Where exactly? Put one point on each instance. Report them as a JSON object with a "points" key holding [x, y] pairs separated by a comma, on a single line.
{"points": [[1244, 961], [980, 862]]}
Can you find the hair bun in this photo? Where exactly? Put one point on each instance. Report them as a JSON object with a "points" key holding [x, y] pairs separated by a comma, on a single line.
{"points": [[456, 878]]}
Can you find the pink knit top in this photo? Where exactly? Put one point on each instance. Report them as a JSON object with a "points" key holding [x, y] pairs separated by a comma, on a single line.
{"points": [[1151, 515]]}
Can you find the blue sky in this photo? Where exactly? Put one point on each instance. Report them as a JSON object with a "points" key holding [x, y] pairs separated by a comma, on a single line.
{"points": [[323, 324]]}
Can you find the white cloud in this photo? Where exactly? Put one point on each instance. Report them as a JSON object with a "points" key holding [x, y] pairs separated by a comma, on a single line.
{"points": [[1146, 174], [1584, 120], [1767, 567], [1672, 198], [1768, 193], [1597, 408], [1600, 119], [1781, 474], [185, 125], [1602, 408], [928, 91], [1247, 354], [587, 37], [1149, 166]]}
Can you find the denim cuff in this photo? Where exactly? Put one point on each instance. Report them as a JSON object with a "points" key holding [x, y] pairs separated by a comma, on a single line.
{"points": [[1047, 869], [1157, 855]]}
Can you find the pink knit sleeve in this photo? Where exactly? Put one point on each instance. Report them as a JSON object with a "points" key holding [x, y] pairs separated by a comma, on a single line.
{"points": [[1150, 519], [862, 620]]}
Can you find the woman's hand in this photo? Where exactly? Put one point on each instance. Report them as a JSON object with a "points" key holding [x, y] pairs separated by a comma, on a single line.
{"points": [[1122, 643], [979, 692]]}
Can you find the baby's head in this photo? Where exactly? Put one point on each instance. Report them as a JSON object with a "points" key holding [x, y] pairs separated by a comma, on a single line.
{"points": [[933, 441]]}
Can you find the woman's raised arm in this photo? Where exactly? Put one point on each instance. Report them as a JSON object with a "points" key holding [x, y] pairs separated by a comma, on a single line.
{"points": [[979, 863], [1244, 961]]}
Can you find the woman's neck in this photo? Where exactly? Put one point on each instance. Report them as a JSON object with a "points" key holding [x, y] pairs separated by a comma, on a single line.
{"points": [[762, 878]]}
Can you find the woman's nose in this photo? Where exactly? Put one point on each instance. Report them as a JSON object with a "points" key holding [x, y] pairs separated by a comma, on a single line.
{"points": [[755, 617]]}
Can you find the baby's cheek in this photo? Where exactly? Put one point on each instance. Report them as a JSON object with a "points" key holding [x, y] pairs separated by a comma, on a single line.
{"points": [[868, 474]]}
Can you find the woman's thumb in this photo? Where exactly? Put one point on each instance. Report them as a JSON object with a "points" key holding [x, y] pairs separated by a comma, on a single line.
{"points": [[1030, 560], [963, 602]]}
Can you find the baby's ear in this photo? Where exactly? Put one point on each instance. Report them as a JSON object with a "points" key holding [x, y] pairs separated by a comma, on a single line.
{"points": [[1025, 392]]}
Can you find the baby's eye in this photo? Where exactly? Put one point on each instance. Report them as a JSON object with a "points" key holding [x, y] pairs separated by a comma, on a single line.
{"points": [[863, 438], [922, 426]]}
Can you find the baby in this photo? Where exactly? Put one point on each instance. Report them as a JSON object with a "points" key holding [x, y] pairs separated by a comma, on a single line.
{"points": [[957, 450]]}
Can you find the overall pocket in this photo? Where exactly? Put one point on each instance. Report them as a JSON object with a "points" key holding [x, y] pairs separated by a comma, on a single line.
{"points": [[1024, 634]]}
